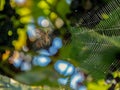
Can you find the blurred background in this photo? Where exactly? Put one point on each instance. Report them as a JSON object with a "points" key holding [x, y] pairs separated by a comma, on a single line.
{"points": [[59, 45]]}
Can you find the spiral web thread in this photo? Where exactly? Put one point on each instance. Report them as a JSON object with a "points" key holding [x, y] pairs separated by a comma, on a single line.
{"points": [[97, 47]]}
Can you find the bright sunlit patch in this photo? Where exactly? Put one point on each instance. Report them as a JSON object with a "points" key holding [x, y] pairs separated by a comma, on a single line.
{"points": [[42, 21], [68, 1], [63, 81], [59, 23], [25, 66], [82, 88], [75, 79], [53, 15], [25, 48], [43, 5], [17, 63], [57, 43], [60, 66], [46, 11], [26, 19], [34, 61], [45, 23], [2, 3], [52, 50], [6, 55], [10, 32], [70, 70], [95, 86], [31, 32], [105, 16], [23, 11], [50, 1], [41, 61], [44, 52], [18, 44], [64, 68], [20, 1]]}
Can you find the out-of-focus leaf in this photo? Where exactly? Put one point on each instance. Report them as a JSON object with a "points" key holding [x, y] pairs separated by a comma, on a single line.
{"points": [[98, 51], [39, 76], [114, 17], [62, 5], [2, 3]]}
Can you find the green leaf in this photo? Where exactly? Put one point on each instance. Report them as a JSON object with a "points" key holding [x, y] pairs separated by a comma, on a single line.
{"points": [[39, 76], [114, 17], [92, 51], [62, 8], [2, 3]]}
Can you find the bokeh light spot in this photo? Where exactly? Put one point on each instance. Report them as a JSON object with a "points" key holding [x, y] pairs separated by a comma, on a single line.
{"points": [[43, 5], [10, 32]]}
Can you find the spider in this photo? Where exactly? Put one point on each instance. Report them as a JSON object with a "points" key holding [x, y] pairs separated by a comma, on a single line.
{"points": [[43, 39]]}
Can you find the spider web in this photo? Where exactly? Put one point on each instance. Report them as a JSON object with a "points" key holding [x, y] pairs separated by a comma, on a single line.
{"points": [[107, 29], [93, 44]]}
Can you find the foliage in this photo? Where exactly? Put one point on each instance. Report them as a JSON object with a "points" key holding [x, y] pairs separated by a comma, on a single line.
{"points": [[90, 46]]}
